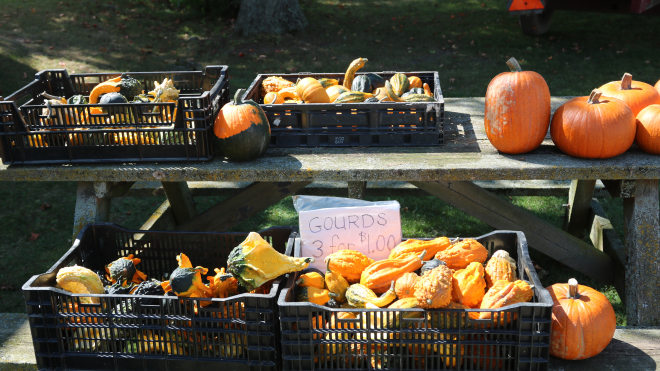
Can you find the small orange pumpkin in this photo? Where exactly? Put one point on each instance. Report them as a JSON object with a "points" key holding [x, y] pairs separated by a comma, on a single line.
{"points": [[648, 129], [414, 82], [636, 94], [242, 129], [273, 98], [517, 110], [404, 286], [593, 127], [311, 91], [583, 321]]}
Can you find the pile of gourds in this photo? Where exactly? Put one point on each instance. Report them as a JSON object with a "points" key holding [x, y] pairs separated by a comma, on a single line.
{"points": [[602, 125], [451, 274], [368, 87]]}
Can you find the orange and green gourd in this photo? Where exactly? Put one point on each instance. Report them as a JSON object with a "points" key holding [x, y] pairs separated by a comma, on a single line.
{"points": [[242, 129], [186, 281], [124, 268]]}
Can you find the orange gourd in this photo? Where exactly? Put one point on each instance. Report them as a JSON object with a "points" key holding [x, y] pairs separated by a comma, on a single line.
{"points": [[274, 84], [500, 266], [311, 91], [427, 90], [433, 290], [504, 293], [469, 285], [380, 274], [289, 93], [636, 94], [415, 247], [273, 98], [648, 129], [593, 127], [414, 82], [404, 286], [462, 253], [349, 264], [517, 110], [335, 91], [583, 321]]}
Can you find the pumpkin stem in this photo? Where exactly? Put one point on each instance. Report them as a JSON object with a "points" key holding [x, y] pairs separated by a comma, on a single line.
{"points": [[238, 97], [327, 266], [514, 65], [573, 289], [422, 255], [595, 96], [626, 81]]}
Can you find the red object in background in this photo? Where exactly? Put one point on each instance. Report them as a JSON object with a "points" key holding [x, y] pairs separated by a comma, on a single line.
{"points": [[518, 5], [241, 54]]}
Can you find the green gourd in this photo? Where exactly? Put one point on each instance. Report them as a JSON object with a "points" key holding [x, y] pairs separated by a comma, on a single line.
{"points": [[361, 83]]}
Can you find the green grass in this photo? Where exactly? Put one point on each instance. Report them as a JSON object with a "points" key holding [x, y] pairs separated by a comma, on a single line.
{"points": [[467, 41]]}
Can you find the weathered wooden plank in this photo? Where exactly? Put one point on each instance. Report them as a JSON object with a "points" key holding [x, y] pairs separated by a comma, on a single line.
{"points": [[556, 188], [181, 201], [605, 239], [161, 220], [89, 207], [540, 234], [620, 188], [111, 189], [642, 225], [357, 189], [579, 204], [251, 200]]}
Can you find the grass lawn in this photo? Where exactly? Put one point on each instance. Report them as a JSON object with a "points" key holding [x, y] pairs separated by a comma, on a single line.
{"points": [[467, 41]]}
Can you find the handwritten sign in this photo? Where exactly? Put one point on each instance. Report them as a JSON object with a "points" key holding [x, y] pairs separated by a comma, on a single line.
{"points": [[374, 228]]}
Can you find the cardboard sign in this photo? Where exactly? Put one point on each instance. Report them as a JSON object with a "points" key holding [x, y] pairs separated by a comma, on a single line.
{"points": [[330, 224]]}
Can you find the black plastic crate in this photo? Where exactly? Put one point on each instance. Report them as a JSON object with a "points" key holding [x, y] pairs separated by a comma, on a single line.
{"points": [[132, 132], [383, 124], [440, 339], [122, 332]]}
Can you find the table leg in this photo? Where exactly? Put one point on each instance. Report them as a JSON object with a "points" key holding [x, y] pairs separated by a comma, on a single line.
{"points": [[642, 225], [181, 201], [89, 207], [357, 189], [579, 204]]}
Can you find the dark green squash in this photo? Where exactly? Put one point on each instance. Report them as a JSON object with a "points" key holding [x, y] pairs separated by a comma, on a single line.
{"points": [[112, 98], [430, 265], [361, 83], [77, 99], [242, 129], [186, 281], [121, 287], [151, 287], [371, 100], [129, 87], [121, 269], [377, 81]]}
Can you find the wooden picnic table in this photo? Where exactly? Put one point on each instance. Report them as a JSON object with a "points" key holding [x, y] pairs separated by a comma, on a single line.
{"points": [[448, 172]]}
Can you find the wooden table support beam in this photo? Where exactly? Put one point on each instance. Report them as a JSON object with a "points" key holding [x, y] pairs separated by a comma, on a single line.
{"points": [[357, 189], [642, 225], [541, 235], [249, 201], [181, 201], [605, 239], [89, 207], [579, 204]]}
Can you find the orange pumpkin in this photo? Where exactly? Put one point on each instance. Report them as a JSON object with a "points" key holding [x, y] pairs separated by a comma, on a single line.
{"points": [[636, 94], [404, 286], [242, 129], [311, 91], [517, 110], [648, 129], [273, 98], [414, 82], [583, 321], [593, 127]]}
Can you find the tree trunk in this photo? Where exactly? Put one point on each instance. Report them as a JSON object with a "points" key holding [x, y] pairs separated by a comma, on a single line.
{"points": [[271, 16]]}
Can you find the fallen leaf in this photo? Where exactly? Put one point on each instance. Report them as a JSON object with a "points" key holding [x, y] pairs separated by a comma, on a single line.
{"points": [[25, 75], [472, 42], [293, 69], [648, 61], [129, 212], [53, 229], [62, 64], [33, 10], [432, 51], [26, 41], [452, 79], [377, 41], [587, 58], [619, 51], [550, 57], [45, 206], [7, 287], [51, 47], [33, 236]]}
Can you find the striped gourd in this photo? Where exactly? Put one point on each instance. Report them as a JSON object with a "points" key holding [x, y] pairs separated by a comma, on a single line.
{"points": [[400, 83], [352, 97]]}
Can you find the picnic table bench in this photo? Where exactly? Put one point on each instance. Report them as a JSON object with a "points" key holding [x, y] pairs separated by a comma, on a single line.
{"points": [[460, 172]]}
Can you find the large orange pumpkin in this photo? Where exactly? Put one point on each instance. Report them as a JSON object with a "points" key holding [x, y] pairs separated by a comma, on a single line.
{"points": [[648, 129], [517, 110], [593, 127], [583, 321], [311, 91], [636, 94], [242, 129]]}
